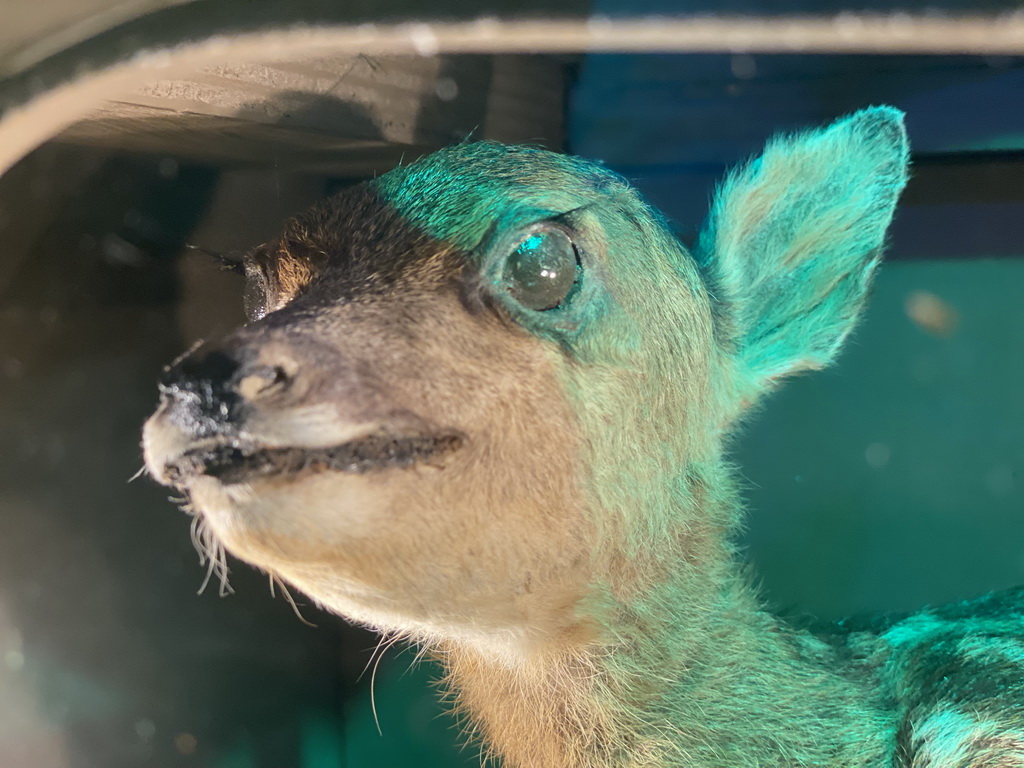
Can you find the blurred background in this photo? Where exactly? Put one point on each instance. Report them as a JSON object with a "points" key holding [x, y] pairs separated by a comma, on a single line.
{"points": [[891, 481]]}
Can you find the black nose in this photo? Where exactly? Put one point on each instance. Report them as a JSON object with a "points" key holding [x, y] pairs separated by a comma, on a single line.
{"points": [[201, 391], [209, 389], [199, 370]]}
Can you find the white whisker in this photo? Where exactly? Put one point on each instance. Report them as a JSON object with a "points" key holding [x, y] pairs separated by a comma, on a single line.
{"points": [[288, 596], [211, 554], [373, 680]]}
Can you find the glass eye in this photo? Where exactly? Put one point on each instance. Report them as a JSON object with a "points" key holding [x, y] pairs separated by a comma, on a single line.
{"points": [[541, 271]]}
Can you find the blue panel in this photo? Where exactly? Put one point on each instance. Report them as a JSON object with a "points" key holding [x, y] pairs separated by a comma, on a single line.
{"points": [[643, 110], [674, 124]]}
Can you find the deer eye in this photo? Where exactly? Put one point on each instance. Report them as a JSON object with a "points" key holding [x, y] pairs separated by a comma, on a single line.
{"points": [[542, 269]]}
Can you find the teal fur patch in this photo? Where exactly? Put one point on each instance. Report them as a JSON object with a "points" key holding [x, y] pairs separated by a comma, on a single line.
{"points": [[482, 198], [459, 194], [787, 252], [793, 238]]}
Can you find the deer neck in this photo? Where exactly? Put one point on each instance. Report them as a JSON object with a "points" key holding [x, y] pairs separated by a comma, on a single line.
{"points": [[679, 674]]}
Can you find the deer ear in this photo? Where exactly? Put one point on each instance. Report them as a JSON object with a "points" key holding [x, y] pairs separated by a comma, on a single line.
{"points": [[793, 237]]}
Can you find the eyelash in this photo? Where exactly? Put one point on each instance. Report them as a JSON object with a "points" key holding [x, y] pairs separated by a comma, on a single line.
{"points": [[233, 262]]}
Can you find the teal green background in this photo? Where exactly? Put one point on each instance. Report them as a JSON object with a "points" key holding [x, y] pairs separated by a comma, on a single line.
{"points": [[943, 518]]}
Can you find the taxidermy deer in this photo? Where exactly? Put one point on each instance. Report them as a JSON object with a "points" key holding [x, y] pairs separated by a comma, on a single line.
{"points": [[484, 400]]}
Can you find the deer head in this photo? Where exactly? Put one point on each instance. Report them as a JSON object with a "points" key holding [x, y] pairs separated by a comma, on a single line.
{"points": [[483, 398]]}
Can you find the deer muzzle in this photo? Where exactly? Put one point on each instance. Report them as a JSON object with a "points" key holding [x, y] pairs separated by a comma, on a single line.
{"points": [[237, 413]]}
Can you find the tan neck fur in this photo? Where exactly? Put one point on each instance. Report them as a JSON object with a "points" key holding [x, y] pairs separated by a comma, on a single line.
{"points": [[737, 690]]}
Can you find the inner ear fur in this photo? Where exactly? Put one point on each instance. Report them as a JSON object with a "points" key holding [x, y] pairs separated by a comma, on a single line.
{"points": [[792, 240]]}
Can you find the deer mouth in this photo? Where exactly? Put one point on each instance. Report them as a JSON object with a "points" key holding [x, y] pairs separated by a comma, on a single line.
{"points": [[233, 463]]}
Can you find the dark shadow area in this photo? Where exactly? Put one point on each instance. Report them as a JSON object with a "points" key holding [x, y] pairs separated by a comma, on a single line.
{"points": [[108, 657], [462, 86]]}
